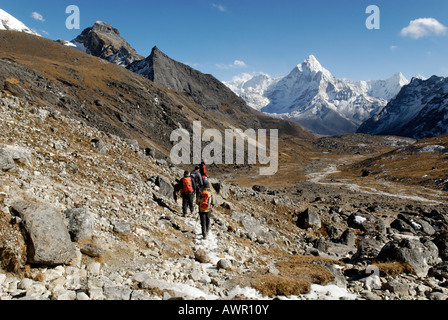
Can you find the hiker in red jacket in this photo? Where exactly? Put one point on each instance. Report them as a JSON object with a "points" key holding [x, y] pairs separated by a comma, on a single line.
{"points": [[203, 171], [187, 192]]}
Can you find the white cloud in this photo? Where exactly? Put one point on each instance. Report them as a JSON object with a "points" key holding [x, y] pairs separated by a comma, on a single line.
{"points": [[423, 27], [239, 63], [234, 65], [37, 16], [219, 7], [393, 48]]}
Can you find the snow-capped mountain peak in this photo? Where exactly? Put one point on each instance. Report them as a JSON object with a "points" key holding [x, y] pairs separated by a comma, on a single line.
{"points": [[253, 88], [8, 22], [312, 97], [384, 89], [311, 64]]}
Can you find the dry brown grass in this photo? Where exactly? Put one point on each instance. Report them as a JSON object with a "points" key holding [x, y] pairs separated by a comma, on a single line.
{"points": [[406, 166], [12, 245], [295, 277], [393, 268]]}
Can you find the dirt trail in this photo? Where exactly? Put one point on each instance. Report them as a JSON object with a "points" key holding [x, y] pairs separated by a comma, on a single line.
{"points": [[384, 188]]}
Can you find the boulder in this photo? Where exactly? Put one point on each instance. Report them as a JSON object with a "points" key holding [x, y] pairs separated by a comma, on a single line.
{"points": [[221, 188], [259, 188], [309, 219], [334, 249], [408, 223], [439, 270], [256, 231], [122, 228], [368, 250], [6, 161], [420, 255], [201, 256], [368, 223], [397, 287], [441, 241], [98, 144], [166, 189], [348, 238], [47, 237], [80, 224], [10, 154], [224, 264]]}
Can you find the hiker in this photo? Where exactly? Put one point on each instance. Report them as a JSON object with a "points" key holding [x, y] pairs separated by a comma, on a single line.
{"points": [[203, 169], [187, 192], [206, 202], [197, 179]]}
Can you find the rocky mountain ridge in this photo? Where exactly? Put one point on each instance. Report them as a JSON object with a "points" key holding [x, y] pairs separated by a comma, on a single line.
{"points": [[419, 111], [104, 41]]}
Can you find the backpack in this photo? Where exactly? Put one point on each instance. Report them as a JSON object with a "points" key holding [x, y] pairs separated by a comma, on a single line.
{"points": [[187, 185], [206, 200]]}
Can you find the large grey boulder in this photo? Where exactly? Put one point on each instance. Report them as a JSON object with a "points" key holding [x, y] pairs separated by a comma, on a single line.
{"points": [[166, 189], [256, 231], [309, 219], [441, 241], [6, 161], [420, 255], [221, 188], [47, 237], [368, 223], [368, 250], [10, 154], [408, 223], [80, 224]]}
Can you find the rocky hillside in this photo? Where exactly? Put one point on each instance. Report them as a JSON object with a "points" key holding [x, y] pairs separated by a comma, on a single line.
{"points": [[115, 224], [117, 233], [116, 100]]}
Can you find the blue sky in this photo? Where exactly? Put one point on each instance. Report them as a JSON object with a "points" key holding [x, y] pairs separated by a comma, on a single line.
{"points": [[229, 37]]}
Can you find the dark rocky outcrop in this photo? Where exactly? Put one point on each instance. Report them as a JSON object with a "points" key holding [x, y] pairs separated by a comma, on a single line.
{"points": [[104, 41]]}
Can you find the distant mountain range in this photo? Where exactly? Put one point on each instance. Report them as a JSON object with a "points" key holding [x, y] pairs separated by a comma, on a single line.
{"points": [[311, 96], [216, 99]]}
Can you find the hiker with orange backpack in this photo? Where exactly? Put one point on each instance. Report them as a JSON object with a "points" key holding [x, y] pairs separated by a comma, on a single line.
{"points": [[187, 192], [206, 203]]}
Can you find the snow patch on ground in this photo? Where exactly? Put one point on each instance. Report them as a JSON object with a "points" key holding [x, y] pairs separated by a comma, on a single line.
{"points": [[431, 148]]}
